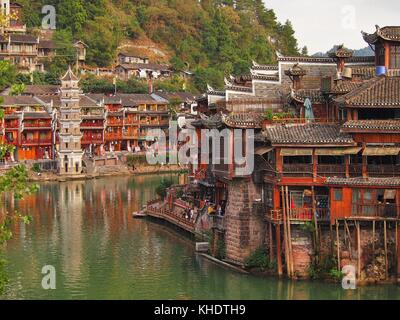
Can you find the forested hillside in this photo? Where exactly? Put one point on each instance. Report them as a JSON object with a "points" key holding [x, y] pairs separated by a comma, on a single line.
{"points": [[213, 38]]}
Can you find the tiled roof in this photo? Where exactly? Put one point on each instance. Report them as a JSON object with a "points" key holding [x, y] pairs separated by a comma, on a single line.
{"points": [[343, 87], [386, 125], [315, 95], [325, 59], [295, 70], [19, 38], [19, 101], [391, 33], [378, 92], [341, 52], [214, 121], [266, 77], [141, 66], [37, 115], [307, 134], [244, 120], [256, 66], [384, 182], [46, 44], [239, 88], [364, 72], [69, 76], [84, 101], [41, 89]]}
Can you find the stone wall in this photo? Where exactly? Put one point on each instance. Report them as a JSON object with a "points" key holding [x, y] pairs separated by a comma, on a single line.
{"points": [[244, 227]]}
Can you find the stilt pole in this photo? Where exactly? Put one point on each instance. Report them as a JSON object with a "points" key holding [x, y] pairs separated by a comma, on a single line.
{"points": [[338, 243]]}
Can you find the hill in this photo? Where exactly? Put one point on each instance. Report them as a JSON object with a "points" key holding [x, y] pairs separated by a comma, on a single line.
{"points": [[212, 38], [364, 52]]}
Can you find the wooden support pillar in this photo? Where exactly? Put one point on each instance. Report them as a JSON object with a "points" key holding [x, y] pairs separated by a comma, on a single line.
{"points": [[278, 249], [338, 244], [364, 167], [289, 233], [386, 250], [315, 165], [398, 250], [271, 245], [358, 250], [347, 163], [285, 234]]}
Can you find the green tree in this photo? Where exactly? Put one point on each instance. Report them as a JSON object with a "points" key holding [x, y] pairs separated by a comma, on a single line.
{"points": [[17, 89], [8, 74]]}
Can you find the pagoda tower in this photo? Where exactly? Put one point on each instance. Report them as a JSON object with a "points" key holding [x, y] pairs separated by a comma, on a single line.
{"points": [[70, 152]]}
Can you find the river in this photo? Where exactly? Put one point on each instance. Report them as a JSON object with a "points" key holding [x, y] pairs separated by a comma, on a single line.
{"points": [[85, 230]]}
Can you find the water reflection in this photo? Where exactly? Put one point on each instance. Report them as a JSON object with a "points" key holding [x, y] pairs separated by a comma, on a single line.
{"points": [[86, 231]]}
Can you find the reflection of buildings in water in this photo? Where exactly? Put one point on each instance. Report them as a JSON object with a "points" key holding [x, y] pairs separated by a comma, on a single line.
{"points": [[71, 224]]}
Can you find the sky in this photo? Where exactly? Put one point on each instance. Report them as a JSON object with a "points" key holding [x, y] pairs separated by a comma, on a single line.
{"points": [[320, 24]]}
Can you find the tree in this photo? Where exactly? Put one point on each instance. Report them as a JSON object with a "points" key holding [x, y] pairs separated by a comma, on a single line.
{"points": [[17, 89], [304, 51], [8, 74], [71, 15]]}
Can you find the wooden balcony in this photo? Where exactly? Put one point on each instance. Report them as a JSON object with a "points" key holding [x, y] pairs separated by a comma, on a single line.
{"points": [[37, 125], [115, 123], [383, 170], [91, 125], [298, 170], [92, 140], [31, 142], [299, 215], [113, 136], [331, 170], [382, 210], [355, 170]]}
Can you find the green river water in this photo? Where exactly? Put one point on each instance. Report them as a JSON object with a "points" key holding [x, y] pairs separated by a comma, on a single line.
{"points": [[85, 230]]}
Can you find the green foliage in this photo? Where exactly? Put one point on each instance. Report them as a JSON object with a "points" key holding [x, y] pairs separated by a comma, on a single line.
{"points": [[161, 189], [258, 259], [14, 181], [36, 168], [326, 267], [8, 74], [135, 160], [17, 89], [212, 38]]}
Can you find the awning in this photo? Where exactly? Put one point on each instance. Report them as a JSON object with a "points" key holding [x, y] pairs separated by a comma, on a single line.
{"points": [[381, 151], [330, 152], [263, 150], [296, 152], [354, 150], [337, 151]]}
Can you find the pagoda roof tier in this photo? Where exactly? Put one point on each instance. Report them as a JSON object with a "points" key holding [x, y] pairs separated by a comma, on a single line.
{"points": [[389, 33]]}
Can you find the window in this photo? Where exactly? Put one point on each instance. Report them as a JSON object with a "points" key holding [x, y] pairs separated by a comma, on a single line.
{"points": [[338, 195], [395, 57]]}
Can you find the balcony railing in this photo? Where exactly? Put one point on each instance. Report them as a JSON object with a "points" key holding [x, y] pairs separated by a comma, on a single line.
{"points": [[37, 125], [383, 210], [300, 215], [298, 170], [331, 170], [36, 141], [113, 136], [383, 170], [217, 222], [92, 125], [92, 140]]}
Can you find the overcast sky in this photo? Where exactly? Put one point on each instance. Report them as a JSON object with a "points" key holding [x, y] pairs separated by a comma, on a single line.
{"points": [[320, 24]]}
